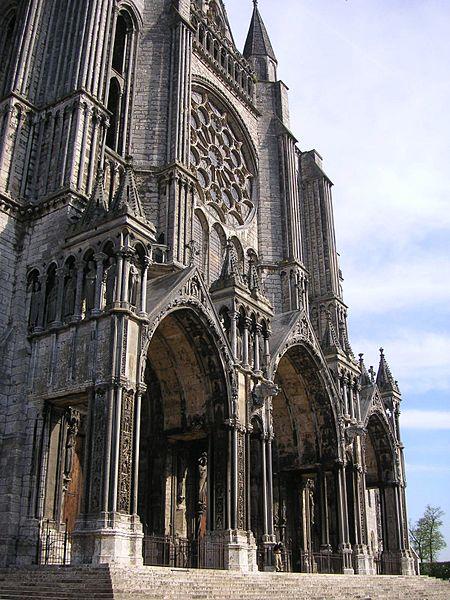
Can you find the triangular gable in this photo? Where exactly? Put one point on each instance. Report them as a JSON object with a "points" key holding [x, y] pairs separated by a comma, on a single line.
{"points": [[289, 329], [181, 289]]}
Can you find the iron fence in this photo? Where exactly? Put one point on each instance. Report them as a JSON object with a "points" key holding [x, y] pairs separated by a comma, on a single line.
{"points": [[388, 565], [167, 551], [53, 545]]}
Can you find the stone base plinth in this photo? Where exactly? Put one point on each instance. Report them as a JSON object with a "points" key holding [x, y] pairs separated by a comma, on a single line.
{"points": [[363, 561], [240, 549], [109, 538], [347, 559]]}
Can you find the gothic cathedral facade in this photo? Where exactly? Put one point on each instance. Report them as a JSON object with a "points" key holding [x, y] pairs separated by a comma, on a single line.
{"points": [[175, 363]]}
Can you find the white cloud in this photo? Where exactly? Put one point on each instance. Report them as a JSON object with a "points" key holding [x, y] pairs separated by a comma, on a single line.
{"points": [[425, 419], [398, 284]]}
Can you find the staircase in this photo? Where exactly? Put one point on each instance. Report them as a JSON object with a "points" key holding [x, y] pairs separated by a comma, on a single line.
{"points": [[152, 583], [58, 583]]}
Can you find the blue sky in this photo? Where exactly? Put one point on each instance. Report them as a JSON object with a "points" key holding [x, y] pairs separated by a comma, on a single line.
{"points": [[370, 90]]}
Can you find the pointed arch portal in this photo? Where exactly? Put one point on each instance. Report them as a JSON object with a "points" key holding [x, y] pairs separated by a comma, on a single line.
{"points": [[183, 442], [304, 457]]}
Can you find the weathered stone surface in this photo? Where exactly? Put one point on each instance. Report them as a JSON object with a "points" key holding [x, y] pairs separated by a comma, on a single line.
{"points": [[169, 274]]}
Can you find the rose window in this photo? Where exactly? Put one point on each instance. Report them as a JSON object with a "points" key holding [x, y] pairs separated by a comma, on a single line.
{"points": [[217, 157]]}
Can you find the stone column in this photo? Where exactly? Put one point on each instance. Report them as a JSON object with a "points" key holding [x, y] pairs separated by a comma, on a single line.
{"points": [[127, 255], [358, 402], [246, 325], [344, 381], [351, 399], [118, 291], [234, 322], [137, 437], [269, 485], [264, 487], [145, 266], [267, 335], [108, 531], [256, 361], [324, 513], [344, 543], [240, 547]]}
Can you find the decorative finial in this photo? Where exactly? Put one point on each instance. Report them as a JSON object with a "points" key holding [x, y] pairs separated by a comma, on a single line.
{"points": [[361, 357], [255, 3], [382, 351]]}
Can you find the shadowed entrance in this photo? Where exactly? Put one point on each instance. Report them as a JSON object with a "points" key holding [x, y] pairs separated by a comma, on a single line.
{"points": [[304, 453], [183, 444]]}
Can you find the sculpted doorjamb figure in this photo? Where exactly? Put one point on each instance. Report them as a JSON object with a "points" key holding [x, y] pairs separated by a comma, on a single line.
{"points": [[73, 425], [202, 480], [89, 286], [202, 491]]}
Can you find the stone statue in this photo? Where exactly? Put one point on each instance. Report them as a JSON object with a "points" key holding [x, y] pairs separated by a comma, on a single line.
{"points": [[35, 303], [50, 308], [310, 486], [69, 294], [202, 480], [133, 283], [89, 285], [73, 425], [109, 280]]}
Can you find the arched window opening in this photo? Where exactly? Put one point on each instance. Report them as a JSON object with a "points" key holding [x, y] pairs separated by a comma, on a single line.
{"points": [[120, 82], [120, 45], [7, 47], [114, 107]]}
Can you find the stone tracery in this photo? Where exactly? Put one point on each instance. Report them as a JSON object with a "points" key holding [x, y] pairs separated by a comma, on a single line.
{"points": [[218, 157]]}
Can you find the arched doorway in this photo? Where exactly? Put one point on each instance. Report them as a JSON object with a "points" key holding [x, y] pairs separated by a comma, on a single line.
{"points": [[305, 449], [183, 442]]}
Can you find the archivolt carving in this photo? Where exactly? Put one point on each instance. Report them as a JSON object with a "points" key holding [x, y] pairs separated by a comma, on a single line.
{"points": [[193, 296]]}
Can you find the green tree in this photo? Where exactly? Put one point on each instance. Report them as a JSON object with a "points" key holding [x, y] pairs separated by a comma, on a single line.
{"points": [[426, 537]]}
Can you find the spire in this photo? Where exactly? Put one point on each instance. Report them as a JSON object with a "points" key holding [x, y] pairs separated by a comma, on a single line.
{"points": [[258, 42], [385, 380]]}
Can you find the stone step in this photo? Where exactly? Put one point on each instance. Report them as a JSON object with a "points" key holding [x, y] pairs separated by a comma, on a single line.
{"points": [[153, 583]]}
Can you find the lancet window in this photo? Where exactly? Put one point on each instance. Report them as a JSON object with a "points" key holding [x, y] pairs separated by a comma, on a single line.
{"points": [[120, 82], [6, 47]]}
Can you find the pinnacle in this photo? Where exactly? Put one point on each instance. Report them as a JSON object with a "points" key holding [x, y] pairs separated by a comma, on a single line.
{"points": [[365, 378], [385, 379], [128, 198]]}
